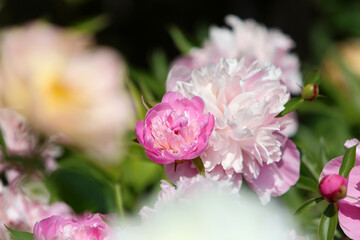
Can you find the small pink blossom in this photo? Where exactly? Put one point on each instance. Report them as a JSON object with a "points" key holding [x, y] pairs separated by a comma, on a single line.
{"points": [[19, 210], [248, 141], [175, 129], [333, 187], [89, 226], [349, 206]]}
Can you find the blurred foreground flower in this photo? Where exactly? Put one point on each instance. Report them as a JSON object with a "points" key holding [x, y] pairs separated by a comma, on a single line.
{"points": [[63, 87], [251, 40], [175, 129], [245, 98], [19, 210], [86, 227], [349, 206], [202, 209]]}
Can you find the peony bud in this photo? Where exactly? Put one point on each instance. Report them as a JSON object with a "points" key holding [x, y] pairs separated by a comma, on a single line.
{"points": [[333, 187], [310, 92]]}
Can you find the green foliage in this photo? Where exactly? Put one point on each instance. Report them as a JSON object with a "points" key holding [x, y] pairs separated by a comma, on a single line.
{"points": [[328, 223], [308, 205], [348, 161], [183, 44], [291, 105], [18, 235]]}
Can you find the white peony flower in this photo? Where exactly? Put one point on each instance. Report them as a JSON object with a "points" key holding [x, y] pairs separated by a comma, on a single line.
{"points": [[247, 141]]}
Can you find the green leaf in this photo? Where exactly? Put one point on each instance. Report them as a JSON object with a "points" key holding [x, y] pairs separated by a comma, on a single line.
{"points": [[291, 105], [307, 205], [3, 144], [307, 183], [18, 235], [199, 165], [328, 223], [313, 77], [92, 25], [348, 161], [159, 65], [180, 40]]}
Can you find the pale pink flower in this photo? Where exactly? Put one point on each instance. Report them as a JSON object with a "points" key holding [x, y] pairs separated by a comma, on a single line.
{"points": [[187, 188], [62, 86], [19, 211], [349, 206], [175, 129], [247, 140], [88, 226], [251, 40]]}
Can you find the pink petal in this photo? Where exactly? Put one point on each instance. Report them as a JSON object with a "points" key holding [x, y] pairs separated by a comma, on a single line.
{"points": [[177, 73], [349, 220], [186, 169], [353, 187], [276, 179]]}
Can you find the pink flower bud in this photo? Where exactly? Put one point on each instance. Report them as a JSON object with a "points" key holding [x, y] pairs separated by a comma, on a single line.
{"points": [[175, 129], [333, 187]]}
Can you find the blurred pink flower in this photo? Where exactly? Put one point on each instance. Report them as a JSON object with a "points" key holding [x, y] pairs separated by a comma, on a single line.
{"points": [[22, 141], [89, 226], [251, 40], [62, 86], [19, 211], [349, 207], [175, 129], [248, 139]]}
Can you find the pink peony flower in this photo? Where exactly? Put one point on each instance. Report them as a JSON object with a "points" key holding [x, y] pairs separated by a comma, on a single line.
{"points": [[349, 206], [64, 87], [333, 187], [175, 129], [248, 139], [251, 40], [20, 211], [89, 226]]}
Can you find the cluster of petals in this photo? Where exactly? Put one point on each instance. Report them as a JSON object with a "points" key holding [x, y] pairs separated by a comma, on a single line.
{"points": [[19, 210], [349, 206], [62, 86], [248, 140], [22, 141], [251, 40], [175, 129], [88, 226]]}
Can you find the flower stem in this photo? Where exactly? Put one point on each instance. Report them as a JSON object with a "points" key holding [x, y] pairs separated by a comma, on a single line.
{"points": [[118, 200]]}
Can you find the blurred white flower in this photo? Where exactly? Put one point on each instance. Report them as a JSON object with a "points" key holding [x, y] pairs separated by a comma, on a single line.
{"points": [[62, 86], [207, 211], [251, 40]]}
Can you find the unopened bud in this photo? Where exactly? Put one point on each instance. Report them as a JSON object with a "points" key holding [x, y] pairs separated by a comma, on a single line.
{"points": [[333, 187], [310, 92]]}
